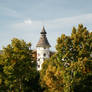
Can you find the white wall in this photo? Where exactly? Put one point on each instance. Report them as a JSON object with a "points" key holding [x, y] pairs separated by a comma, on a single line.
{"points": [[42, 53]]}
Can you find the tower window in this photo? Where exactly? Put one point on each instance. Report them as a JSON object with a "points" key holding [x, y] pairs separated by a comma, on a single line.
{"points": [[44, 54], [38, 66], [44, 48], [38, 59]]}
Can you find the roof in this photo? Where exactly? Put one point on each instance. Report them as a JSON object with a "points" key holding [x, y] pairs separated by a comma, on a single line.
{"points": [[43, 31], [43, 42]]}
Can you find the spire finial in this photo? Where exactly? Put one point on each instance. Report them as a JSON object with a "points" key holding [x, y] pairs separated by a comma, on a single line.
{"points": [[43, 30]]}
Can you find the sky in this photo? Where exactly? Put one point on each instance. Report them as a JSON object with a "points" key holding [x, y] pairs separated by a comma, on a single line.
{"points": [[24, 19]]}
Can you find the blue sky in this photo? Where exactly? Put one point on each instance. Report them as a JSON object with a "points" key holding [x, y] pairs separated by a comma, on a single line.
{"points": [[24, 19]]}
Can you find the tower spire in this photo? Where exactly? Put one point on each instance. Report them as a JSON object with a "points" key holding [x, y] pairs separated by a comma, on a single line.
{"points": [[43, 42], [43, 30]]}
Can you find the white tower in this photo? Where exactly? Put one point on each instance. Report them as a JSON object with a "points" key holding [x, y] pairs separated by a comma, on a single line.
{"points": [[42, 49]]}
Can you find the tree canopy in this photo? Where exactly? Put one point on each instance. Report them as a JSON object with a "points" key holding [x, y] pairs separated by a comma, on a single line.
{"points": [[17, 67], [70, 69]]}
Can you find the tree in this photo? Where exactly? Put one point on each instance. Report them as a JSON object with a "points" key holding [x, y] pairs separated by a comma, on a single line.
{"points": [[73, 48], [72, 52], [50, 75], [78, 45], [17, 66], [78, 76]]}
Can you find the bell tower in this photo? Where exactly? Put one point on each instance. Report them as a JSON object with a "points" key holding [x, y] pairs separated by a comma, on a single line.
{"points": [[43, 51]]}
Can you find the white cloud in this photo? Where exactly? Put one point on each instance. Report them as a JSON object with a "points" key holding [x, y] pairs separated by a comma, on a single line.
{"points": [[71, 21], [29, 21], [26, 25], [60, 23]]}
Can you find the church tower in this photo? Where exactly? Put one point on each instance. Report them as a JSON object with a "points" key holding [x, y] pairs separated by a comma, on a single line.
{"points": [[42, 49]]}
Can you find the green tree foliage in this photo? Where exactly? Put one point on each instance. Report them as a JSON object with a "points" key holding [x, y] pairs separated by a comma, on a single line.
{"points": [[78, 76], [74, 49], [17, 67], [78, 45], [70, 70], [51, 78]]}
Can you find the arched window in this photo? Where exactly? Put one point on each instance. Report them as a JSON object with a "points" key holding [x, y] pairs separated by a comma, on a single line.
{"points": [[39, 59], [44, 54], [44, 48], [38, 66]]}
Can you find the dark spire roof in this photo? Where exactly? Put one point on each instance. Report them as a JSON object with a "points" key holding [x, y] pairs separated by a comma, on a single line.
{"points": [[43, 31], [43, 42]]}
